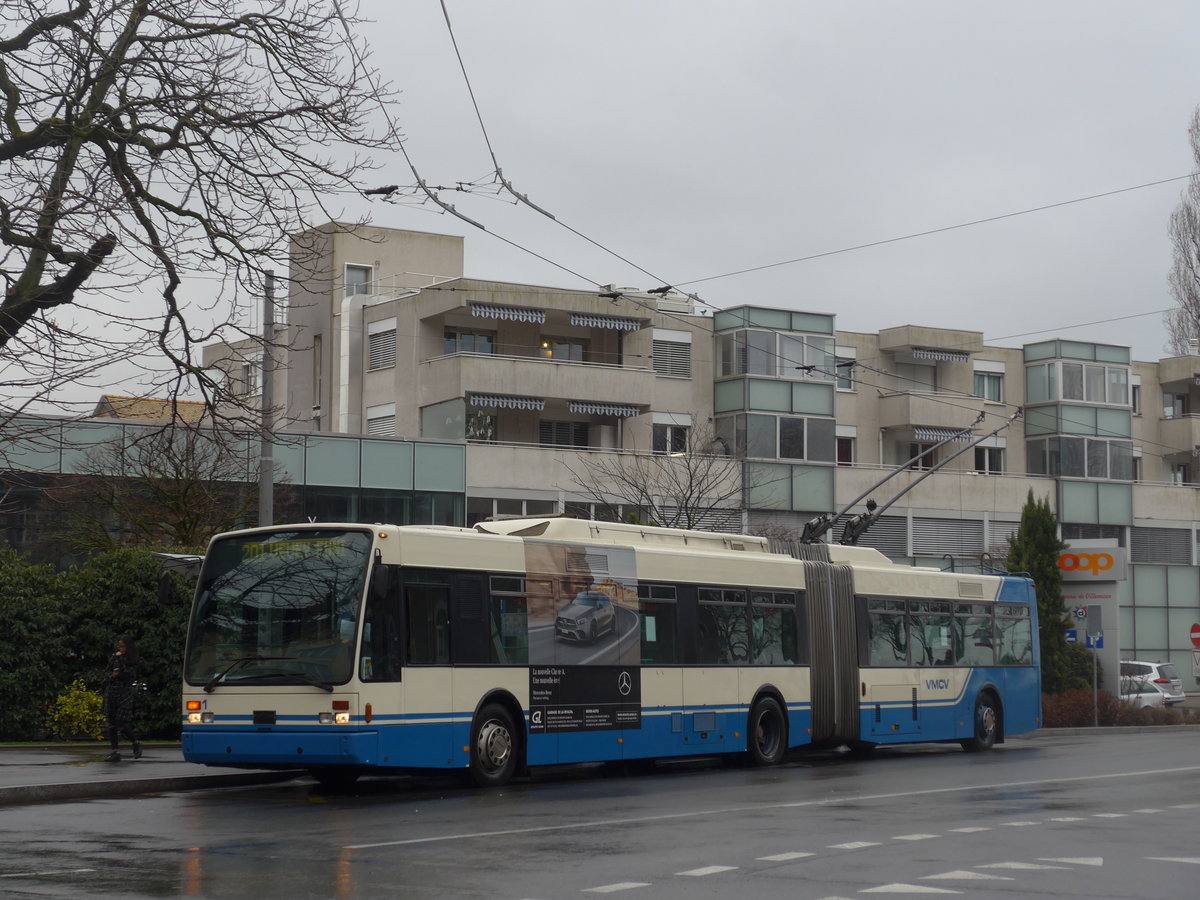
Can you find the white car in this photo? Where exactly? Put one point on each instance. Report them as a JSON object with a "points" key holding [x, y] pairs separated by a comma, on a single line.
{"points": [[1138, 692], [1163, 676]]}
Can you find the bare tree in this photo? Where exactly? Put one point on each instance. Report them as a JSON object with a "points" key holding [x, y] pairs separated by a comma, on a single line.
{"points": [[144, 141], [172, 486], [1183, 322], [698, 484]]}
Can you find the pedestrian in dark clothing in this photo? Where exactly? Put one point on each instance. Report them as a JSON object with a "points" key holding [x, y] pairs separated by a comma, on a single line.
{"points": [[118, 697]]}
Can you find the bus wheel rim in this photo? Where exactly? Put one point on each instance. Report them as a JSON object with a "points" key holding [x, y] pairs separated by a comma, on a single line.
{"points": [[494, 744]]}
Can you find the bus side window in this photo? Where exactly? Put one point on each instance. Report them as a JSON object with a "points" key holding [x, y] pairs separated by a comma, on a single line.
{"points": [[381, 641]]}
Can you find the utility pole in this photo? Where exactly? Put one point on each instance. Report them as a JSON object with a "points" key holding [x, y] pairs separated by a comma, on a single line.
{"points": [[266, 453]]}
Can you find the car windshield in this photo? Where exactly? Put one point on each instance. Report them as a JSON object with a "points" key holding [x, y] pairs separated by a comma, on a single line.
{"points": [[278, 608]]}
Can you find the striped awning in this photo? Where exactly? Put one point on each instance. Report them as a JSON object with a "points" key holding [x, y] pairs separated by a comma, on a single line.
{"points": [[602, 409], [617, 322], [508, 313], [928, 433], [940, 355], [504, 401]]}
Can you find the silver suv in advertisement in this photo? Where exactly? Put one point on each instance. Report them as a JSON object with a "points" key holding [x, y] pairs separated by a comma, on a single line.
{"points": [[1162, 675], [588, 616]]}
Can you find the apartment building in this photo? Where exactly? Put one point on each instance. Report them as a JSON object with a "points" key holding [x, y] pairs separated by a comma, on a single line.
{"points": [[386, 337]]}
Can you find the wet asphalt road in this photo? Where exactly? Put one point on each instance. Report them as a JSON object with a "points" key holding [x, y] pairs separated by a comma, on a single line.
{"points": [[1097, 816]]}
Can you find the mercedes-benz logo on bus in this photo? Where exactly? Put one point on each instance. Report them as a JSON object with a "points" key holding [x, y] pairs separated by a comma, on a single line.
{"points": [[624, 684]]}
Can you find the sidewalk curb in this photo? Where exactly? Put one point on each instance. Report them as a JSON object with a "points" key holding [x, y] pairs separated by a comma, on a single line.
{"points": [[1107, 729], [17, 795]]}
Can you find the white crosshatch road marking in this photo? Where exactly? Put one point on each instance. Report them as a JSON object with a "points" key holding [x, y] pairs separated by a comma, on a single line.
{"points": [[1020, 824], [613, 888], [1018, 865], [1075, 860], [962, 875], [1067, 819], [972, 829], [707, 870], [786, 857], [1109, 816], [900, 888], [914, 837], [854, 845], [1194, 860]]}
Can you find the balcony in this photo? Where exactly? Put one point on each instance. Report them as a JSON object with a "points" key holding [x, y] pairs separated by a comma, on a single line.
{"points": [[1181, 434], [906, 410], [447, 377]]}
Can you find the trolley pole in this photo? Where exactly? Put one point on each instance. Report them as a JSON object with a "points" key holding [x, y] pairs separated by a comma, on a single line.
{"points": [[266, 454]]}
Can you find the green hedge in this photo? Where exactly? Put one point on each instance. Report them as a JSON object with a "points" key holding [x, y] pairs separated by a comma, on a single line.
{"points": [[61, 627]]}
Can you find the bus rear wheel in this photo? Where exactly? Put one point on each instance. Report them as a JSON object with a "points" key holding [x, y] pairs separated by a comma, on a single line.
{"points": [[494, 746], [766, 733], [987, 726]]}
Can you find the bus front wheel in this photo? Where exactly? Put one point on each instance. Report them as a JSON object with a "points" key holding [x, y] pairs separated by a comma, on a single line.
{"points": [[493, 746], [766, 736], [987, 725]]}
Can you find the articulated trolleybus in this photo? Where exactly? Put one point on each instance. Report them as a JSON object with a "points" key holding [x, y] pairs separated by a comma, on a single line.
{"points": [[345, 649]]}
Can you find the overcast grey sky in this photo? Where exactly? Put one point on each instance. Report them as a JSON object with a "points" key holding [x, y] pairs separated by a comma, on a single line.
{"points": [[699, 138]]}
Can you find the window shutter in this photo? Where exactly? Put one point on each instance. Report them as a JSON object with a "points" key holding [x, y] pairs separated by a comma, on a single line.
{"points": [[673, 358], [381, 350]]}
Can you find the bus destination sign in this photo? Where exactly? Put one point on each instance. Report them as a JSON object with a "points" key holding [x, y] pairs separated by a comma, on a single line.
{"points": [[584, 698]]}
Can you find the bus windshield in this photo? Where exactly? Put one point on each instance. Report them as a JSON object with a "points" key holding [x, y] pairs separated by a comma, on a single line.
{"points": [[278, 608]]}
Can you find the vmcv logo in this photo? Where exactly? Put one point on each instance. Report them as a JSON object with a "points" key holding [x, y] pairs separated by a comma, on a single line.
{"points": [[1086, 562]]}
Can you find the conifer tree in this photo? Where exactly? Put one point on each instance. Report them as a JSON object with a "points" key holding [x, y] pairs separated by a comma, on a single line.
{"points": [[1034, 550]]}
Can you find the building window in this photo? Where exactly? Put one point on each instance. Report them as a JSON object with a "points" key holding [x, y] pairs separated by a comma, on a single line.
{"points": [[1180, 473], [989, 460], [925, 462], [480, 426], [1095, 384], [670, 439], [914, 378], [989, 386], [251, 373], [381, 419], [563, 349], [562, 434], [1135, 398], [318, 376], [358, 280], [381, 345], [845, 374], [458, 340], [791, 356], [673, 358], [845, 451], [1175, 406]]}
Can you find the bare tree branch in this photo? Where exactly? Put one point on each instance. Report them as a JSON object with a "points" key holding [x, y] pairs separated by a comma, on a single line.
{"points": [[1183, 322], [145, 141]]}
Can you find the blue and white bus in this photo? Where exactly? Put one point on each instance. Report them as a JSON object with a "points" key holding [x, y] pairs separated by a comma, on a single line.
{"points": [[345, 649]]}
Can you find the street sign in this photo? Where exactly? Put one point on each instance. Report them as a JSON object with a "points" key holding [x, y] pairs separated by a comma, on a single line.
{"points": [[1196, 635], [1094, 641], [1095, 620]]}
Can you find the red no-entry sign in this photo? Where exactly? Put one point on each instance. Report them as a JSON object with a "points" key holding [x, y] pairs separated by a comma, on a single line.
{"points": [[1196, 635]]}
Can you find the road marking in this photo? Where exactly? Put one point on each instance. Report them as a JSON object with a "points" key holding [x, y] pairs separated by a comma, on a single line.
{"points": [[970, 830], [962, 875], [786, 857], [848, 800], [45, 873], [1185, 805], [1020, 824], [707, 870], [1076, 860], [1194, 860], [1018, 865], [901, 888], [1148, 812], [1067, 819], [854, 845], [914, 837], [1109, 816], [613, 888]]}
